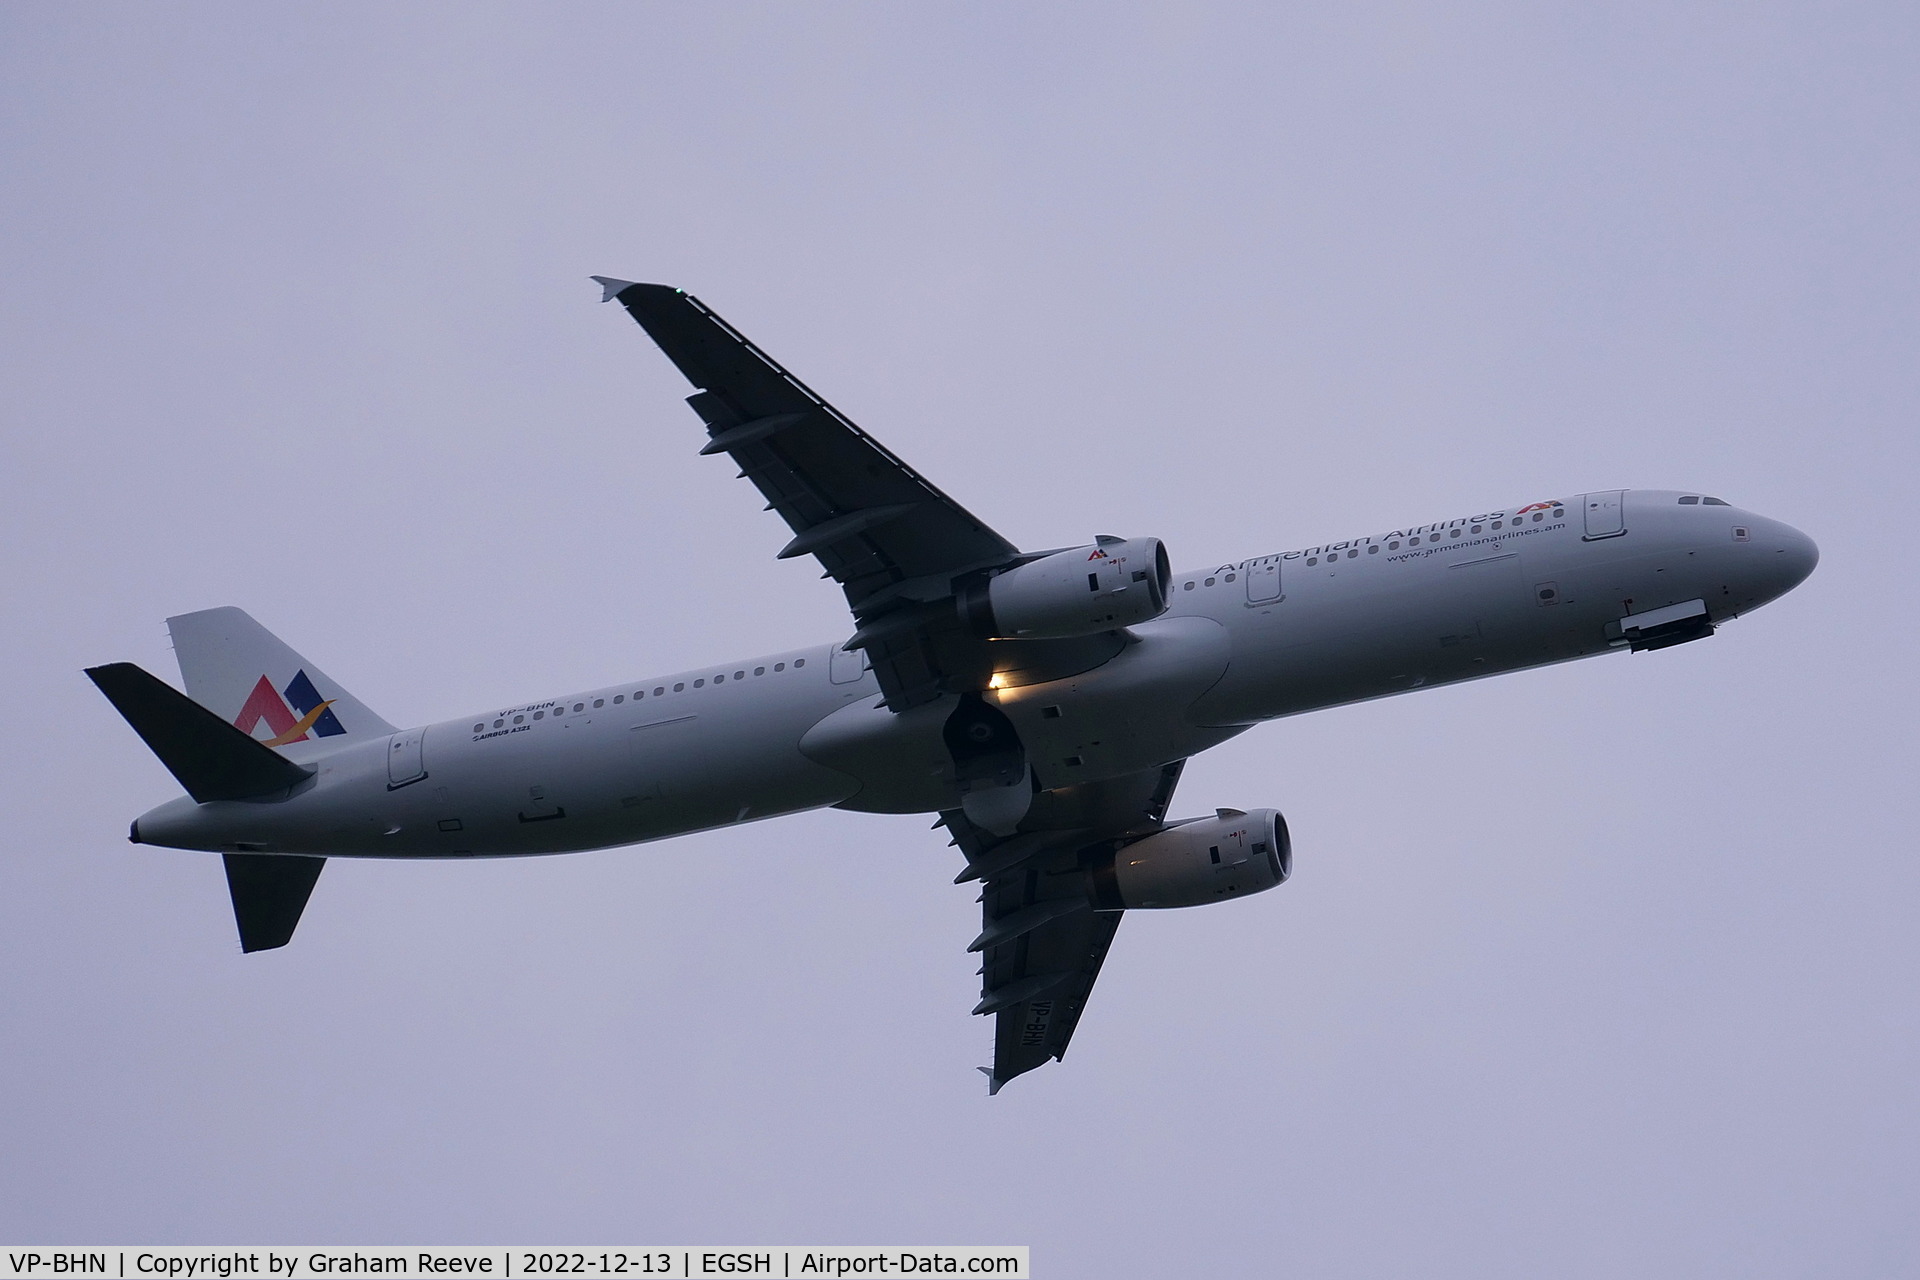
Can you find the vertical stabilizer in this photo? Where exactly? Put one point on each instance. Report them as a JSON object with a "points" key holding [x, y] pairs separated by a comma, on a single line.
{"points": [[247, 676]]}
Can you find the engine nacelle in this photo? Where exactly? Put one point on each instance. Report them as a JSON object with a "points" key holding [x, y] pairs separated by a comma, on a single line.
{"points": [[1116, 582], [1201, 860]]}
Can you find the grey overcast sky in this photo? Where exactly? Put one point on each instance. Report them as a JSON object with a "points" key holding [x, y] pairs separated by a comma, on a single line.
{"points": [[1602, 970]]}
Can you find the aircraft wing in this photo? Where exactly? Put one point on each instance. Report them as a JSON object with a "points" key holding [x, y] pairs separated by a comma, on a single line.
{"points": [[1041, 941], [893, 541]]}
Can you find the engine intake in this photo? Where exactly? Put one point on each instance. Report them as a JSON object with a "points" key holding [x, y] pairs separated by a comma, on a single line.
{"points": [[1192, 863], [1116, 582]]}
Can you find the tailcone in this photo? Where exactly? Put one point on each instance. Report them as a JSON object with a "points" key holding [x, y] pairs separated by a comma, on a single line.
{"points": [[178, 824]]}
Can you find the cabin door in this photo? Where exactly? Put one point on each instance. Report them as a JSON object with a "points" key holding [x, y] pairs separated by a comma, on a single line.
{"points": [[1605, 519], [406, 759]]}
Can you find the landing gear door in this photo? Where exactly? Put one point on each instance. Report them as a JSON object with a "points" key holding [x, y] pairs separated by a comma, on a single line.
{"points": [[1605, 516], [406, 758]]}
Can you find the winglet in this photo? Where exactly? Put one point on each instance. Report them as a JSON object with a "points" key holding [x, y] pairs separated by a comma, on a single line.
{"points": [[993, 1082], [613, 287]]}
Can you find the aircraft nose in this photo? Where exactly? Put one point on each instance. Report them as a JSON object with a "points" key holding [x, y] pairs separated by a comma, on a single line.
{"points": [[1797, 555], [1790, 556]]}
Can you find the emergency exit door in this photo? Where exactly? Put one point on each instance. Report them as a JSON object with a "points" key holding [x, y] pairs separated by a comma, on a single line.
{"points": [[1263, 582]]}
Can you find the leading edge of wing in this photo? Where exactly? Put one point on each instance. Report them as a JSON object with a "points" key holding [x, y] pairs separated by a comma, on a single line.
{"points": [[751, 402]]}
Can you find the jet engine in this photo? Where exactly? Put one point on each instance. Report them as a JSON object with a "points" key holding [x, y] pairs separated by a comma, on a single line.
{"points": [[1200, 860], [1116, 582]]}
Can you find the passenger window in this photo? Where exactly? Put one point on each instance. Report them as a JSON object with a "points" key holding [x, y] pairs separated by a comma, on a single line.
{"points": [[539, 715], [1373, 548], [579, 706], [799, 663], [1210, 581], [481, 727], [701, 683], [1538, 516], [519, 719], [1232, 576], [1453, 533], [599, 703], [618, 698], [1475, 529], [739, 675], [1496, 524], [680, 688], [1393, 546], [498, 723], [1186, 586], [1312, 560], [759, 671], [779, 666], [1352, 552], [721, 678]]}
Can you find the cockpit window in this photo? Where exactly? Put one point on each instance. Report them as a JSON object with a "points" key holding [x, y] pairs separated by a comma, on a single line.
{"points": [[1712, 502], [1692, 499]]}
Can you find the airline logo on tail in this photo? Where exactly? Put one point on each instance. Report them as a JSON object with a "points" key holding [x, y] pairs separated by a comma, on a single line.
{"points": [[265, 703]]}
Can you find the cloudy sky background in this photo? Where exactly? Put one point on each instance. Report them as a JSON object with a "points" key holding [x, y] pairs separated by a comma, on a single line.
{"points": [[1606, 969]]}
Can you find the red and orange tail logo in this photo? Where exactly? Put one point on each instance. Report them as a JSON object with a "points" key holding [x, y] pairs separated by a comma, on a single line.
{"points": [[266, 703]]}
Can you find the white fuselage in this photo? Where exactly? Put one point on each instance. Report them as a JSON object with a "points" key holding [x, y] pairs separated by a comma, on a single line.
{"points": [[1242, 643]]}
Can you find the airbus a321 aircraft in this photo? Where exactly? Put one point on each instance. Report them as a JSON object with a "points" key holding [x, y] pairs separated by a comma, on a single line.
{"points": [[1040, 702]]}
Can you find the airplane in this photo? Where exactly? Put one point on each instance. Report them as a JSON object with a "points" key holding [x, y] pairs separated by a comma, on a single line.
{"points": [[1040, 703]]}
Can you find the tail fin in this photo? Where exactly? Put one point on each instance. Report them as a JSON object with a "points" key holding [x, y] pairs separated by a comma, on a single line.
{"points": [[247, 676], [212, 759]]}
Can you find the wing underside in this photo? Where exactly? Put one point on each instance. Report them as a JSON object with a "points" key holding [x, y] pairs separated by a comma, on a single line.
{"points": [[905, 553], [893, 541], [1042, 942], [897, 545]]}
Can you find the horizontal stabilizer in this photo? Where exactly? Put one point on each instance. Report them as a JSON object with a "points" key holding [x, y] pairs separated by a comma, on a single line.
{"points": [[212, 759], [269, 893]]}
